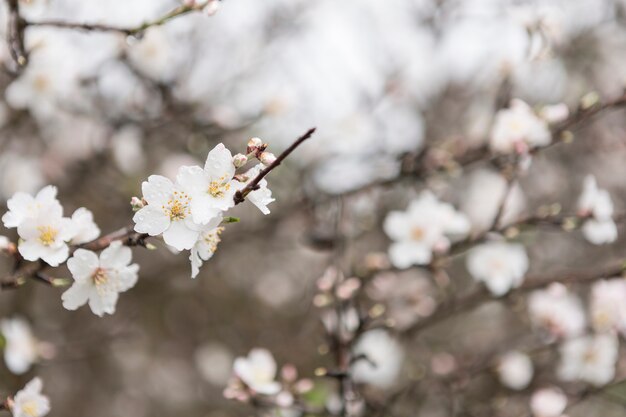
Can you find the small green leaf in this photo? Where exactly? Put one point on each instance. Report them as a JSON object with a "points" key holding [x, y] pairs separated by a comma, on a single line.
{"points": [[230, 220]]}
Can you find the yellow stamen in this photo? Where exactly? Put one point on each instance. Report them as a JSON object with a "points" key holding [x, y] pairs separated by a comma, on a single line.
{"points": [[417, 233], [30, 409], [218, 188], [47, 235], [177, 207], [100, 277]]}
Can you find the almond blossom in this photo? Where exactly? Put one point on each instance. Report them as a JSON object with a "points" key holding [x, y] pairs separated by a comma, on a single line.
{"points": [[46, 236], [607, 306], [262, 196], [168, 212], [211, 189], [85, 228], [515, 370], [206, 245], [258, 371], [596, 205], [99, 280], [501, 266], [22, 206], [548, 402], [426, 226], [21, 349], [518, 129], [29, 401], [590, 359], [380, 359], [557, 311]]}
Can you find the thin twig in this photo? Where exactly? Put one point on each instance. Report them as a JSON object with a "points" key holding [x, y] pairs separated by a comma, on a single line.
{"points": [[240, 195], [15, 34]]}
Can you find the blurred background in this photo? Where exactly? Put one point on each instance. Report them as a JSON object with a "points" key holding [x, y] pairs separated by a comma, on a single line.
{"points": [[95, 113]]}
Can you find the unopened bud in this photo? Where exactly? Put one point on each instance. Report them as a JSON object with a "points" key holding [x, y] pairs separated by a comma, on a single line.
{"points": [[7, 246], [239, 160], [267, 158], [254, 143], [137, 203]]}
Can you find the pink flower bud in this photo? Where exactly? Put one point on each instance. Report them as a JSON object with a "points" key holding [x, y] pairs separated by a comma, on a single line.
{"points": [[267, 158], [255, 143], [239, 160]]}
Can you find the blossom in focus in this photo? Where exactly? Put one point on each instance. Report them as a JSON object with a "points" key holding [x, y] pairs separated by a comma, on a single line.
{"points": [[29, 401], [425, 226], [168, 211], [557, 311], [515, 370], [258, 371], [206, 245], [85, 228], [518, 129], [21, 348], [262, 196], [501, 266], [22, 206], [607, 306], [590, 359], [380, 359], [211, 190], [99, 280], [596, 204], [548, 402], [46, 236]]}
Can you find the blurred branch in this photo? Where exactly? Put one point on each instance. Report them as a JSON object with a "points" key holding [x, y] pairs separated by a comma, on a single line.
{"points": [[95, 27], [465, 303], [15, 34]]}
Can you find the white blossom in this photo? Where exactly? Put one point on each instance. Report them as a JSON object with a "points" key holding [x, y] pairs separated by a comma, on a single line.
{"points": [[30, 402], [45, 237], [22, 206], [206, 245], [85, 228], [262, 196], [501, 266], [557, 311], [211, 190], [168, 211], [380, 359], [518, 129], [425, 226], [258, 371], [548, 402], [21, 347], [596, 204], [607, 307], [99, 280], [515, 370], [590, 359]]}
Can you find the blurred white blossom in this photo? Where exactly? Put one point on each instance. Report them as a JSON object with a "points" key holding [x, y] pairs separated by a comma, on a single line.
{"points": [[500, 265]]}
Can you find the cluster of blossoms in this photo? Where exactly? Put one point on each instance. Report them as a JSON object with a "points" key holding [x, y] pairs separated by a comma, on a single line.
{"points": [[596, 207], [518, 129], [256, 375], [188, 212]]}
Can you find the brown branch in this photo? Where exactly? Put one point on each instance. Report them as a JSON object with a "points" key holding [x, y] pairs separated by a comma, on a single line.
{"points": [[240, 195], [95, 27], [468, 302], [15, 34]]}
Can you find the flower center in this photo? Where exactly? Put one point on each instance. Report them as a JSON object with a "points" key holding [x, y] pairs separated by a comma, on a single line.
{"points": [[47, 235], [218, 188], [212, 238], [30, 408], [417, 233], [41, 83], [178, 206], [100, 277], [590, 356]]}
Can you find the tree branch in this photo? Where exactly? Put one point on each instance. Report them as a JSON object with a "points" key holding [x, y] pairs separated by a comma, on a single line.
{"points": [[240, 195]]}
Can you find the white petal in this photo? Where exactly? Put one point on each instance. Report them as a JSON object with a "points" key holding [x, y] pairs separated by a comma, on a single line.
{"points": [[116, 256], [77, 295], [30, 250], [157, 190], [83, 264], [151, 220], [55, 256], [600, 232], [192, 179], [180, 236], [405, 254], [201, 209], [219, 163], [127, 277]]}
